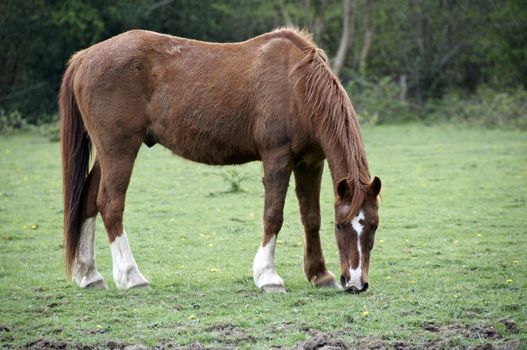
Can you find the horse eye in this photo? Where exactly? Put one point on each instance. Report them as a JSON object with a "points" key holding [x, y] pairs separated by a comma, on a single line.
{"points": [[340, 227]]}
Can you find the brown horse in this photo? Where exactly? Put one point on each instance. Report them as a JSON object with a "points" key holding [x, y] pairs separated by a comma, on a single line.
{"points": [[271, 98]]}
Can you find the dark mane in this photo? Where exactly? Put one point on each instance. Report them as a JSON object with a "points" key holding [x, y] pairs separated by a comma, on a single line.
{"points": [[331, 108]]}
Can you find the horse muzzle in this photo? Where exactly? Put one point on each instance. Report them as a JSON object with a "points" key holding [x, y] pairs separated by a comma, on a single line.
{"points": [[352, 288]]}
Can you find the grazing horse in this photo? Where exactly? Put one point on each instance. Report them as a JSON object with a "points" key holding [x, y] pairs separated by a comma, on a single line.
{"points": [[271, 98]]}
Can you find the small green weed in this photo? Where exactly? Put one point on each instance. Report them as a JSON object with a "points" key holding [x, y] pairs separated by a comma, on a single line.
{"points": [[234, 178]]}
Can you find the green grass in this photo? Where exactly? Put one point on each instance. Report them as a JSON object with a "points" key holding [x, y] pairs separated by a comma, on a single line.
{"points": [[451, 249]]}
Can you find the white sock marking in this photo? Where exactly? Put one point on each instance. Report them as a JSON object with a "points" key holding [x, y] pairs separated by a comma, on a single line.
{"points": [[356, 274], [263, 267], [125, 271], [84, 270]]}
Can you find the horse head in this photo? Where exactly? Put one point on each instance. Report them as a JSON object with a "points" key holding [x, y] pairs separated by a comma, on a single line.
{"points": [[355, 234]]}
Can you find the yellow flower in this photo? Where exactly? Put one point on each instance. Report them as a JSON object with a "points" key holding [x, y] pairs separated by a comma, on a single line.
{"points": [[509, 281], [388, 278], [515, 262], [191, 317], [34, 227], [365, 314], [213, 269], [479, 234], [381, 241]]}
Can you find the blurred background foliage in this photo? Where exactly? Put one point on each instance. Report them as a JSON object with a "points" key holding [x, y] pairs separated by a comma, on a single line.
{"points": [[429, 60]]}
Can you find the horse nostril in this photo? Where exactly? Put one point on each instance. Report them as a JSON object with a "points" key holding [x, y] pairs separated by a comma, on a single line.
{"points": [[355, 290], [343, 281]]}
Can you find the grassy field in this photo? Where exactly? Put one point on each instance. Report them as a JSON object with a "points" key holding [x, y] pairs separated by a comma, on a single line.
{"points": [[448, 269]]}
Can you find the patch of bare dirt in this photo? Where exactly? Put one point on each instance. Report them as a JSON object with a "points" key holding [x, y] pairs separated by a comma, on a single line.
{"points": [[136, 347], [377, 343], [446, 337], [44, 344], [229, 333], [443, 337], [114, 345], [321, 341], [509, 324], [193, 346], [478, 331]]}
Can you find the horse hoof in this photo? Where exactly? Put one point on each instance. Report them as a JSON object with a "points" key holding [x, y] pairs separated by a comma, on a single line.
{"points": [[140, 286], [325, 280], [97, 285], [136, 283], [273, 289], [129, 279], [92, 280]]}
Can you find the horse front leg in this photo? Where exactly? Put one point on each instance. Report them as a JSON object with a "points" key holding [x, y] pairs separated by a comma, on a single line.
{"points": [[308, 178], [277, 172]]}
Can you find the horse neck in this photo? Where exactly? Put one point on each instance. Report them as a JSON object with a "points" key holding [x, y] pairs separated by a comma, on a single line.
{"points": [[353, 168], [347, 162], [338, 161]]}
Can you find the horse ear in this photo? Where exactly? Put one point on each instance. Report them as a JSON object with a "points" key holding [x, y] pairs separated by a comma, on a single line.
{"points": [[343, 189], [375, 186]]}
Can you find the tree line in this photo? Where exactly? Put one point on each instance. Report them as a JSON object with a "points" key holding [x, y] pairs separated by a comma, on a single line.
{"points": [[424, 48]]}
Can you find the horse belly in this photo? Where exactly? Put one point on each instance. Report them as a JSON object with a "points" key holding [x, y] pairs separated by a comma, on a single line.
{"points": [[221, 148], [216, 155]]}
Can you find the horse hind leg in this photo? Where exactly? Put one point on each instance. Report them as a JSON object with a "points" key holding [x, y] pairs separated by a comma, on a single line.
{"points": [[84, 269], [116, 171]]}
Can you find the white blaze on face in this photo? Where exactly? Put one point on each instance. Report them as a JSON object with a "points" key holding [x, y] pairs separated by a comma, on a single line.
{"points": [[125, 271], [356, 274], [264, 273]]}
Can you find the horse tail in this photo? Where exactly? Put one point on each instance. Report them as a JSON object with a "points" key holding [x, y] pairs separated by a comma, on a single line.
{"points": [[76, 148]]}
